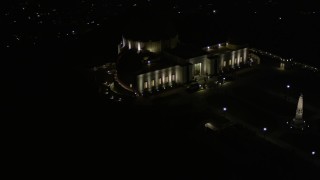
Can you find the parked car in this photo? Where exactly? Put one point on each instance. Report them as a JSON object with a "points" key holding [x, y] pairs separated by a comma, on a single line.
{"points": [[193, 87]]}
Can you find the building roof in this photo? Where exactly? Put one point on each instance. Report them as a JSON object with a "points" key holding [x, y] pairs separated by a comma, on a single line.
{"points": [[159, 63], [188, 51], [131, 62]]}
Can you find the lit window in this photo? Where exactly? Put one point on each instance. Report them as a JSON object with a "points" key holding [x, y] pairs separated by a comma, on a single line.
{"points": [[145, 84], [139, 46], [197, 69], [240, 59], [230, 62], [173, 77], [167, 79], [160, 81], [152, 83], [224, 63]]}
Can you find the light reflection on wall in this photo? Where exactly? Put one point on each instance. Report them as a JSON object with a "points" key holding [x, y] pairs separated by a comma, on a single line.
{"points": [[165, 75], [238, 57], [139, 46], [200, 61], [282, 66], [222, 60], [152, 46], [233, 58], [178, 74], [245, 51]]}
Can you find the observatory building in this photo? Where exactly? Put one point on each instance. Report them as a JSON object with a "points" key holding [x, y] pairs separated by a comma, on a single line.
{"points": [[152, 58]]}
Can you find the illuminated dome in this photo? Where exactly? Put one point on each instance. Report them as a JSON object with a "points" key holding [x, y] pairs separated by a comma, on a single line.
{"points": [[148, 29]]}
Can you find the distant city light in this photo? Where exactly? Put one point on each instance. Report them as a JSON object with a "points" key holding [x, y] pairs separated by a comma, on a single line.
{"points": [[313, 152], [224, 109], [264, 129], [288, 86]]}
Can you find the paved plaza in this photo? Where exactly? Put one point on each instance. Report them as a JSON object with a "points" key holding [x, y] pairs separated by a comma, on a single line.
{"points": [[260, 101]]}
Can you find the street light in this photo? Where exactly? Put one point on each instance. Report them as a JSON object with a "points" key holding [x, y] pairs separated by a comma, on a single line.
{"points": [[224, 111], [313, 153], [264, 131], [288, 87]]}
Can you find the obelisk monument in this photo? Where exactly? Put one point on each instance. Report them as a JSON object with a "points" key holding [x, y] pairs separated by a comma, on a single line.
{"points": [[298, 121]]}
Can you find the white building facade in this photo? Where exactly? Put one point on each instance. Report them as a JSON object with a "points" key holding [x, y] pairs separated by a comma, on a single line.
{"points": [[204, 65]]}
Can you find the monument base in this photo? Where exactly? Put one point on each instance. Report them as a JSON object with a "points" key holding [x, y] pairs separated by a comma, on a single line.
{"points": [[298, 124]]}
